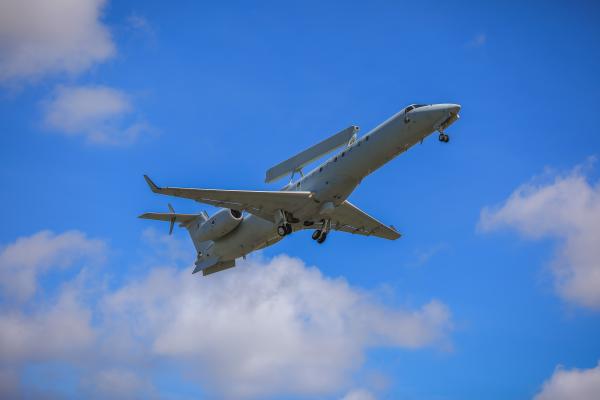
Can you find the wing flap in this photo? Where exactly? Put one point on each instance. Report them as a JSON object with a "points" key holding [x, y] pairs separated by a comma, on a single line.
{"points": [[210, 265], [218, 267]]}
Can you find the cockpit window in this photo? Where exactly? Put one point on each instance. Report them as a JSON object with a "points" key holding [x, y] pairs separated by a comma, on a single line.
{"points": [[412, 107]]}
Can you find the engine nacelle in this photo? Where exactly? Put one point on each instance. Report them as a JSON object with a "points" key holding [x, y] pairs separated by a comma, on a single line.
{"points": [[219, 225]]}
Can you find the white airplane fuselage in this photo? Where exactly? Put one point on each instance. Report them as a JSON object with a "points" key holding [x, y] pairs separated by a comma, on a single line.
{"points": [[334, 180]]}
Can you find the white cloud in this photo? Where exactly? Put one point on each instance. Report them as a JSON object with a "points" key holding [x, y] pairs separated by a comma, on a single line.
{"points": [[566, 208], [359, 394], [272, 327], [574, 384], [102, 115], [40, 37], [22, 261], [56, 330], [478, 40]]}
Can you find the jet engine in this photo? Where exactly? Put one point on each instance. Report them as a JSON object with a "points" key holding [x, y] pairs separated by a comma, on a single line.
{"points": [[219, 225]]}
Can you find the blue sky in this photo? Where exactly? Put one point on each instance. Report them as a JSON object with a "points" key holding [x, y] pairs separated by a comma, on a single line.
{"points": [[211, 96]]}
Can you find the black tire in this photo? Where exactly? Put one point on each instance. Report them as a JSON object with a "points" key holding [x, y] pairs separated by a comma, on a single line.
{"points": [[322, 238], [446, 138], [316, 234], [281, 231], [441, 137], [288, 229]]}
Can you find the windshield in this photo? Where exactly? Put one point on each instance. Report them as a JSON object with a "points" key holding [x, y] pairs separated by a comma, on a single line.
{"points": [[412, 107]]}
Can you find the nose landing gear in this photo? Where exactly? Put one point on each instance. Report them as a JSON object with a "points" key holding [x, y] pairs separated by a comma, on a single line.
{"points": [[443, 137]]}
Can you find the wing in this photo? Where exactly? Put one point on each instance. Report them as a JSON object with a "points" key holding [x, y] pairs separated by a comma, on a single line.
{"points": [[348, 218], [264, 204]]}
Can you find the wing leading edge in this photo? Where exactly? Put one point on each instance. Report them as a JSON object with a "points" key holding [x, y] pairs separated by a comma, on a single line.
{"points": [[264, 204], [348, 218]]}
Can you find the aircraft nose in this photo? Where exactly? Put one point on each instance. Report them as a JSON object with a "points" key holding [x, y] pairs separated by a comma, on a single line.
{"points": [[443, 115], [445, 110], [454, 108]]}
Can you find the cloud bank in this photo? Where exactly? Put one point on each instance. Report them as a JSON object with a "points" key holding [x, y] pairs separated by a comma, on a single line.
{"points": [[574, 384], [268, 327], [40, 37], [567, 207], [22, 262], [100, 114]]}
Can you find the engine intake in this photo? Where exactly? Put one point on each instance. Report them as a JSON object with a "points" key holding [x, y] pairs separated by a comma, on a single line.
{"points": [[219, 225]]}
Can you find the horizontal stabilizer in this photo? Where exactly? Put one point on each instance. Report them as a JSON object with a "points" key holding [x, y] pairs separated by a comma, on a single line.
{"points": [[210, 265], [179, 218], [218, 267], [295, 163]]}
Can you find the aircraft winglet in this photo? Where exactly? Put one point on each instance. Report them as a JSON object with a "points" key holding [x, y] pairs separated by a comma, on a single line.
{"points": [[152, 185]]}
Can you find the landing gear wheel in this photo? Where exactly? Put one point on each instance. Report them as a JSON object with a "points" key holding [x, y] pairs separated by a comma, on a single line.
{"points": [[288, 229], [281, 230], [444, 138], [316, 234], [322, 238]]}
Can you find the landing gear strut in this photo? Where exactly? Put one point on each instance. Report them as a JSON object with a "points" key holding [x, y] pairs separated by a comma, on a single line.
{"points": [[285, 228]]}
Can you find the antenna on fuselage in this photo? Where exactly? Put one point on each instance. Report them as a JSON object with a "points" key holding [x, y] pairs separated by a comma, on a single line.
{"points": [[297, 162]]}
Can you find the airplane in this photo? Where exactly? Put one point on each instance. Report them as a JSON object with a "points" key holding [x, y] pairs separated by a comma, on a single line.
{"points": [[250, 220]]}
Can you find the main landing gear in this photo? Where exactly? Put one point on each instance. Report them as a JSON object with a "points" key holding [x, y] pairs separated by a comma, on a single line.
{"points": [[321, 234], [443, 137], [284, 229]]}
